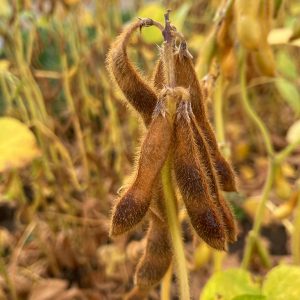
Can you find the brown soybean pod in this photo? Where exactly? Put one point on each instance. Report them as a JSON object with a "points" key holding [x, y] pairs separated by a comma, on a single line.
{"points": [[190, 176], [212, 179], [186, 77], [138, 93], [158, 253], [137, 294], [158, 77], [133, 205], [157, 257]]}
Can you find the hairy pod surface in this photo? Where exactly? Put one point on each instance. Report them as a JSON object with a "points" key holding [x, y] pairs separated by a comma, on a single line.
{"points": [[191, 179], [157, 257], [138, 93], [158, 76], [137, 294], [133, 205], [212, 180], [186, 77]]}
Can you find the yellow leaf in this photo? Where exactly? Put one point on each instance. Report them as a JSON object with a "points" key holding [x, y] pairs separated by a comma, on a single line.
{"points": [[86, 18], [195, 42], [4, 65], [5, 9], [250, 206], [288, 170], [242, 151], [293, 134], [71, 2], [247, 172], [156, 12], [282, 36], [202, 255], [17, 144], [286, 209], [282, 186]]}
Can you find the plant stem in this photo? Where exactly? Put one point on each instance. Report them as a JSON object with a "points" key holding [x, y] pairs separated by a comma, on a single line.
{"points": [[170, 198], [282, 155], [76, 123], [165, 290], [296, 235], [254, 233], [220, 133], [250, 111], [218, 111], [174, 227]]}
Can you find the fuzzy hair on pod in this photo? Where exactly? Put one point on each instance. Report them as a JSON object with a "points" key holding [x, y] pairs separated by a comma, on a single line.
{"points": [[185, 76], [212, 180], [135, 88], [192, 182], [157, 256], [133, 205], [158, 77]]}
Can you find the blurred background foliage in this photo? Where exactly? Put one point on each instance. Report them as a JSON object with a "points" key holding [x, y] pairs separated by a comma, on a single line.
{"points": [[67, 142]]}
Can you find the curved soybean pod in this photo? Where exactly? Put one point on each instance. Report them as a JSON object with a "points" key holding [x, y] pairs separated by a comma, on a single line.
{"points": [[138, 93], [212, 179], [186, 77], [190, 176], [133, 205]]}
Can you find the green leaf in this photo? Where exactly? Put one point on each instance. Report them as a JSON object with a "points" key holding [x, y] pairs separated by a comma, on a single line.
{"points": [[5, 9], [250, 297], [229, 284], [179, 16], [17, 144], [286, 65], [282, 283], [293, 134], [155, 11], [289, 93]]}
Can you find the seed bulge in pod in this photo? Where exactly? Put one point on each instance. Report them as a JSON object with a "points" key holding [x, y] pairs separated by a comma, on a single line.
{"points": [[190, 176], [157, 257], [133, 205], [212, 180], [186, 77]]}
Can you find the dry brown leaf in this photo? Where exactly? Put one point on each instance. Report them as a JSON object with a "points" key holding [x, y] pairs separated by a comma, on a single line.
{"points": [[48, 289], [72, 294], [64, 252]]}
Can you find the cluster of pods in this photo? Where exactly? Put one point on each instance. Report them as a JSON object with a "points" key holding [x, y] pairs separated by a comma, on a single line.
{"points": [[247, 23], [200, 171]]}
